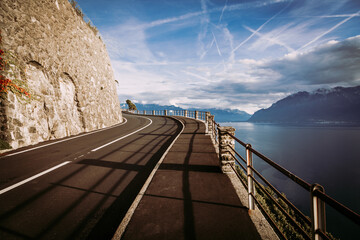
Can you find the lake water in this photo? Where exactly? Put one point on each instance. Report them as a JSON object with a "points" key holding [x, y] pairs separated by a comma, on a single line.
{"points": [[328, 155]]}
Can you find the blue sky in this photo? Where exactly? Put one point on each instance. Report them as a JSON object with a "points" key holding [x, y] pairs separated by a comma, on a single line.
{"points": [[227, 54]]}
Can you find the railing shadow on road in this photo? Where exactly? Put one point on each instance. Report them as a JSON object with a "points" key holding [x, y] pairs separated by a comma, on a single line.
{"points": [[189, 221], [115, 213], [107, 224], [224, 141]]}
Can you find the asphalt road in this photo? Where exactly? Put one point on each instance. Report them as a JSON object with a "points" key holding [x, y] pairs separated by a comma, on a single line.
{"points": [[80, 187], [189, 197]]}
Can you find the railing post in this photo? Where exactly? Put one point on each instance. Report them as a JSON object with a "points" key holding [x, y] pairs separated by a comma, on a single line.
{"points": [[210, 125], [225, 152], [250, 174], [318, 216], [165, 112], [196, 115], [153, 112], [207, 116], [185, 113]]}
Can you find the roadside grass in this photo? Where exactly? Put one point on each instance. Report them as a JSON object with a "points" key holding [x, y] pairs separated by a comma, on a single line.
{"points": [[276, 215]]}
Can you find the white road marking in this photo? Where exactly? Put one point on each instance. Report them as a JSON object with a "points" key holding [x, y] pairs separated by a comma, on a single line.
{"points": [[96, 131], [107, 144], [32, 178], [67, 162]]}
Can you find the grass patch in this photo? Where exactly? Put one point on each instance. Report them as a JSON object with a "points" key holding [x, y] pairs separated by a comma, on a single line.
{"points": [[4, 145], [279, 218]]}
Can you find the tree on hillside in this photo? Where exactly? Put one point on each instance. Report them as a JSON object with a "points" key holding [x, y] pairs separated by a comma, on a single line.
{"points": [[131, 105]]}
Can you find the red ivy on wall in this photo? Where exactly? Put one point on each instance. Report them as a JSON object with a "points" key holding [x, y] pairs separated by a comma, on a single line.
{"points": [[7, 84]]}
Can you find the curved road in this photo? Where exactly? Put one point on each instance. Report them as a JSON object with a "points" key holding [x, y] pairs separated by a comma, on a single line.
{"points": [[80, 187]]}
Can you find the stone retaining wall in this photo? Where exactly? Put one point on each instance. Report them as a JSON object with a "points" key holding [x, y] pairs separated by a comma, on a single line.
{"points": [[66, 67]]}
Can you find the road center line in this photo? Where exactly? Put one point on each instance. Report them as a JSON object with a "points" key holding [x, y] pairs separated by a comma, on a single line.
{"points": [[32, 178], [67, 162], [107, 144], [96, 131]]}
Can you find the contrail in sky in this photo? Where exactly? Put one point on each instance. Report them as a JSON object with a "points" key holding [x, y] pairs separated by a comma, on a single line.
{"points": [[330, 30], [222, 12], [217, 46], [270, 39], [259, 28], [233, 7]]}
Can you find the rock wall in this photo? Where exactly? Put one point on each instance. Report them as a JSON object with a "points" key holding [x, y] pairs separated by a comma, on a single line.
{"points": [[66, 67]]}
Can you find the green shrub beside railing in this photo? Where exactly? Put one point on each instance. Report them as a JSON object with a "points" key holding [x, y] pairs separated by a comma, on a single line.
{"points": [[275, 213]]}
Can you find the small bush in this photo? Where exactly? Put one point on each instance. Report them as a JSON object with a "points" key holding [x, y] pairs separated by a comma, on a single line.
{"points": [[92, 27]]}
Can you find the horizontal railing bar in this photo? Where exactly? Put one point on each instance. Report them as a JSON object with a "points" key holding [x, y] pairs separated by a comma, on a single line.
{"points": [[240, 165], [270, 220], [238, 175], [301, 230], [202, 115], [295, 178], [287, 173], [237, 161], [236, 139], [237, 153], [306, 219], [322, 234], [294, 223], [338, 206]]}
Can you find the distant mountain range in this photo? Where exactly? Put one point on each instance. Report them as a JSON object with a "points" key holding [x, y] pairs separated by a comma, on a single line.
{"points": [[336, 105], [221, 115]]}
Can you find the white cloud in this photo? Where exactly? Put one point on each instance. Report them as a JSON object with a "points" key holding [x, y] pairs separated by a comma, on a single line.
{"points": [[254, 84], [332, 63], [168, 73], [127, 41]]}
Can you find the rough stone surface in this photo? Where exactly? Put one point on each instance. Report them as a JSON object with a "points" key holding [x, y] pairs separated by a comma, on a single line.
{"points": [[226, 153], [67, 70]]}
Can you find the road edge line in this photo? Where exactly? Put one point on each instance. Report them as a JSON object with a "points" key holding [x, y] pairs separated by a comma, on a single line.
{"points": [[122, 227], [118, 139], [64, 140]]}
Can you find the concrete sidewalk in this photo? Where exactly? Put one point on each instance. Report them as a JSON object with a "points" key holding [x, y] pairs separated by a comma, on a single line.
{"points": [[189, 197]]}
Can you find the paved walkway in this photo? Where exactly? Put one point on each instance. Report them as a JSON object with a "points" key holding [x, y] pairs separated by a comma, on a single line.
{"points": [[189, 197]]}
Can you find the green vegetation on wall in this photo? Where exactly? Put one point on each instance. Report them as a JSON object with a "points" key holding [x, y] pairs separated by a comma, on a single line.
{"points": [[4, 145], [12, 75], [80, 13]]}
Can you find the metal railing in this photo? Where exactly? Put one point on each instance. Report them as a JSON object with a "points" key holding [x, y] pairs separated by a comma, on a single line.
{"points": [[200, 115], [300, 222], [308, 228]]}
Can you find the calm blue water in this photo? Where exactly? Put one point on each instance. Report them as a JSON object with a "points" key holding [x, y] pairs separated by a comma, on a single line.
{"points": [[328, 155]]}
